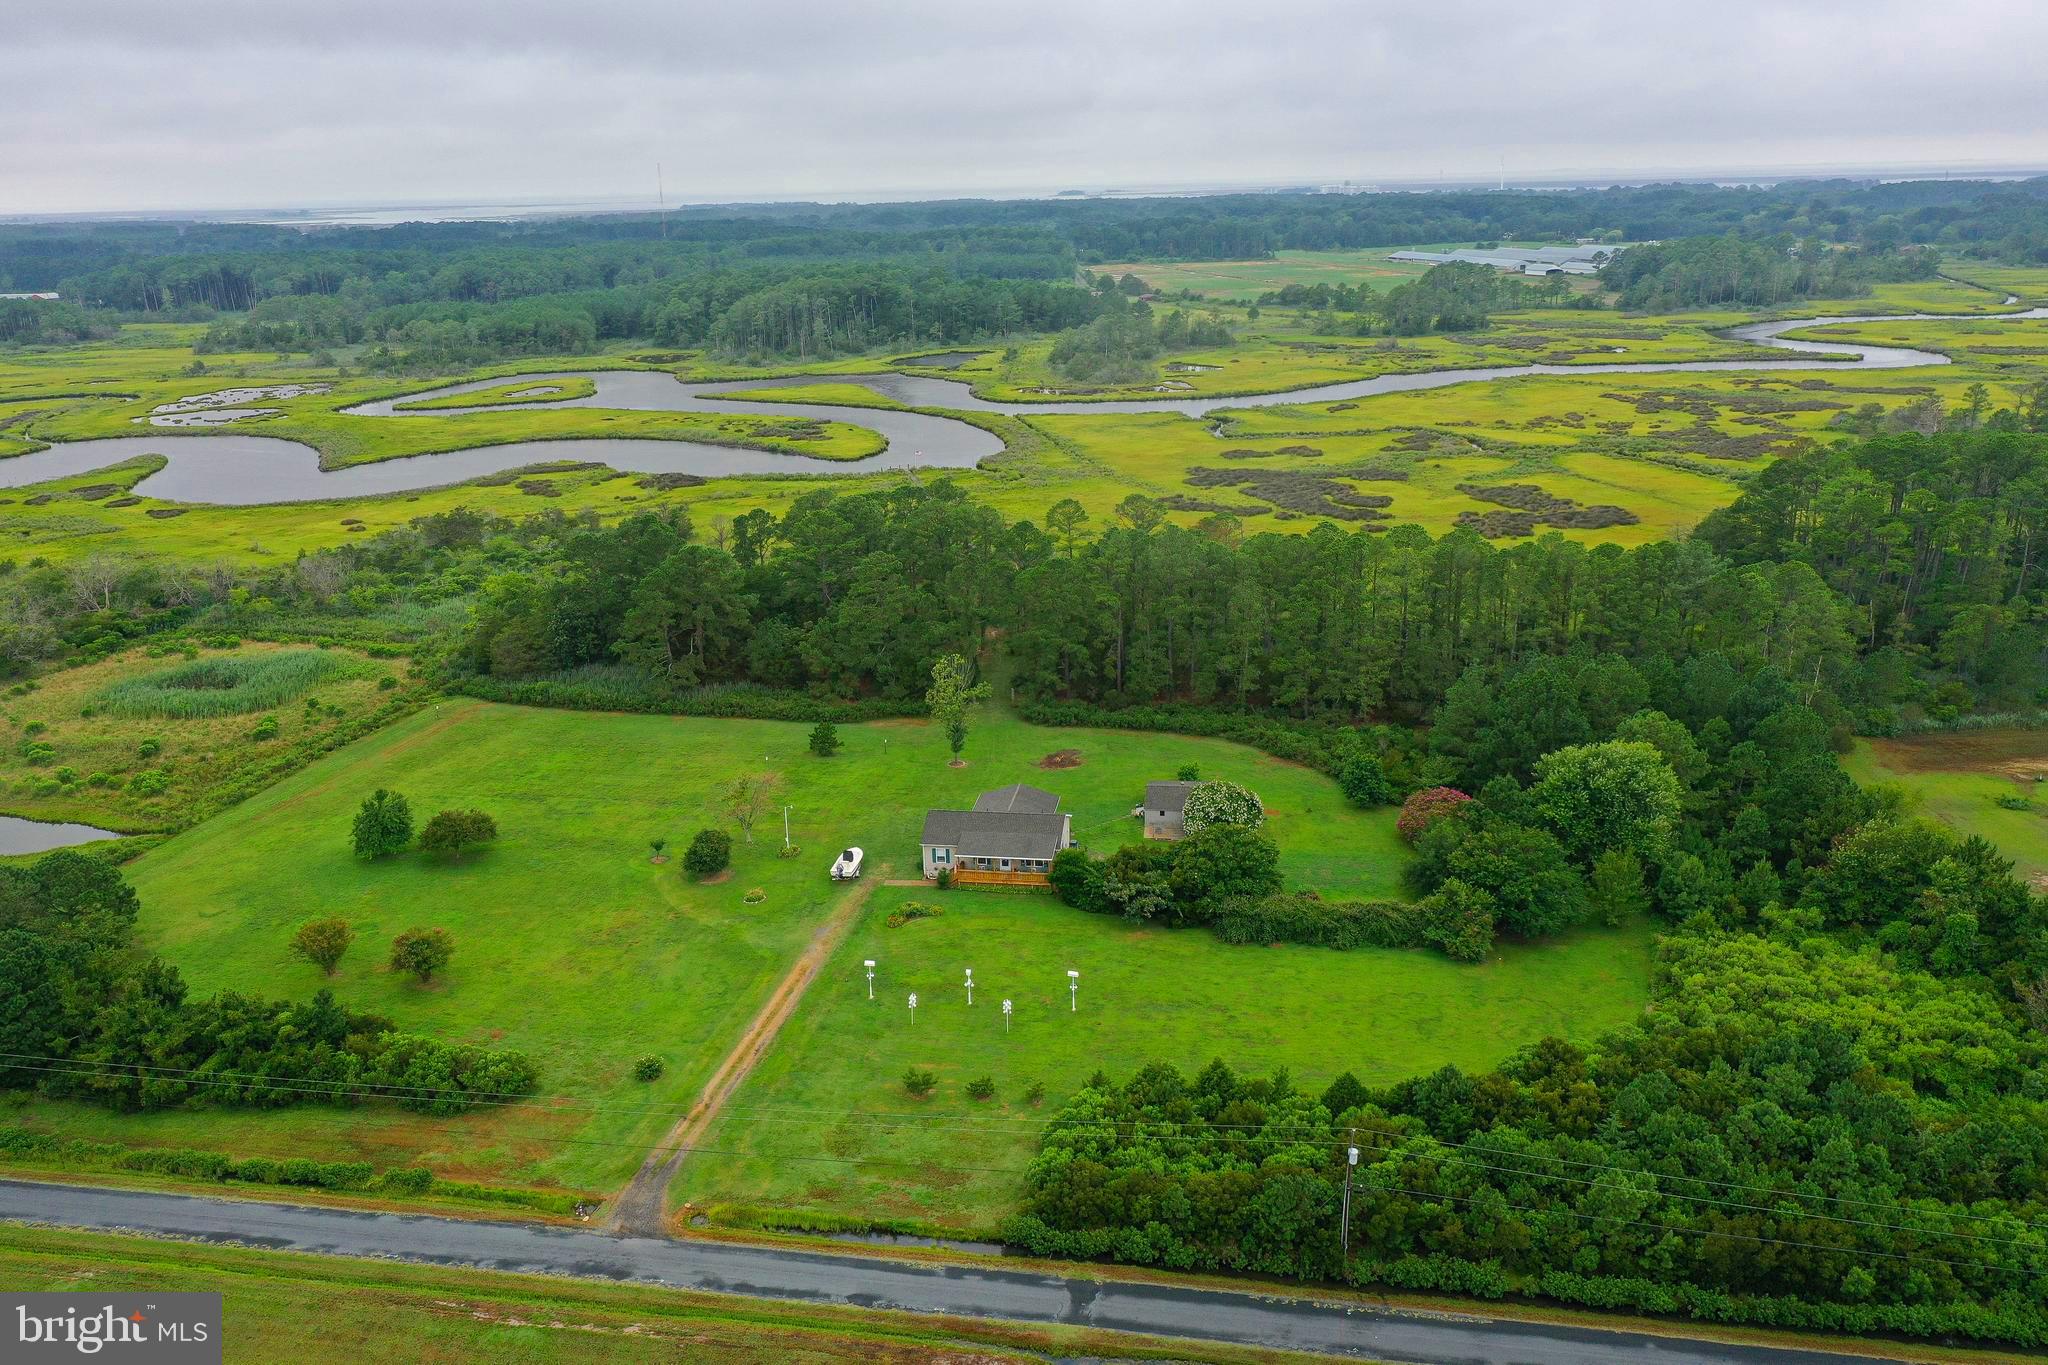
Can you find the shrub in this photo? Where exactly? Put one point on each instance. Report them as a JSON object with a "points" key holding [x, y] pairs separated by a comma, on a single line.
{"points": [[2012, 802], [981, 1088], [1364, 782], [647, 1069], [1304, 917], [910, 910], [1222, 862], [944, 881], [1077, 880], [387, 683], [1458, 919], [100, 780], [150, 782], [265, 728], [1034, 1092], [1222, 803], [657, 844], [456, 832], [149, 748], [39, 755], [825, 739], [65, 775], [383, 825], [918, 1084], [422, 952], [407, 1180], [1425, 808], [1189, 772], [34, 728], [708, 854]]}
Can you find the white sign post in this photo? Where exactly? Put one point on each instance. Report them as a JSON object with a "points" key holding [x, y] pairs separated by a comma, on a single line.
{"points": [[970, 985], [869, 963], [1006, 1016], [913, 1007], [1073, 991]]}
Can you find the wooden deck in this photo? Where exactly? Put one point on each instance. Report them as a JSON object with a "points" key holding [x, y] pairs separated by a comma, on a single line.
{"points": [[963, 877]]}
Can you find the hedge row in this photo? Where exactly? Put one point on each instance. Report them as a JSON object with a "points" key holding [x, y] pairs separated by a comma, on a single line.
{"points": [[20, 1145], [1304, 917], [2017, 1322], [737, 702]]}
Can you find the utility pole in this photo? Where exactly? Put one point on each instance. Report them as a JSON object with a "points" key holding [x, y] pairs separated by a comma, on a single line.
{"points": [[1350, 1164]]}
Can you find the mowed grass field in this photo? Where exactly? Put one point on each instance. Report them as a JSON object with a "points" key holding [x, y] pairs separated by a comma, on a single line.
{"points": [[292, 1306], [824, 1124], [1958, 778], [571, 944]]}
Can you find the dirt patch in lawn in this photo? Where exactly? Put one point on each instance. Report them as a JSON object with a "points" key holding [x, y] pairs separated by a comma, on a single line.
{"points": [[1061, 758], [2018, 754]]}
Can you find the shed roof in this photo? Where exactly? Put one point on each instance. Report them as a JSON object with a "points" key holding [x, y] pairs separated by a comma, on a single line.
{"points": [[996, 834], [1018, 797], [1171, 797]]}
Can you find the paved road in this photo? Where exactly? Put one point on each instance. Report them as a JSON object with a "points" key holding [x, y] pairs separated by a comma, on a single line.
{"points": [[971, 1291]]}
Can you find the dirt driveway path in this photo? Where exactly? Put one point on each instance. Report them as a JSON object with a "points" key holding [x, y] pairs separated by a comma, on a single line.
{"points": [[642, 1207]]}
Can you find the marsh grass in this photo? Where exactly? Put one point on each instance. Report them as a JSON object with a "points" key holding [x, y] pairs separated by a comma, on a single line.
{"points": [[204, 688]]}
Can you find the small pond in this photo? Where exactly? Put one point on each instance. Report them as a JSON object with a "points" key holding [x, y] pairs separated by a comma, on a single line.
{"points": [[37, 836]]}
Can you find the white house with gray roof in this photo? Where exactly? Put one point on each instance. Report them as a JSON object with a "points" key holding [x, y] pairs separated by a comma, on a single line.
{"points": [[1012, 834]]}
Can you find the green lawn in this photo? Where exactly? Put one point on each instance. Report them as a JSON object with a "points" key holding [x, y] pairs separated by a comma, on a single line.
{"points": [[571, 943], [824, 1123]]}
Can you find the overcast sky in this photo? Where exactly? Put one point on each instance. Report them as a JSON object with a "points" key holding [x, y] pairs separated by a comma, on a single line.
{"points": [[140, 104]]}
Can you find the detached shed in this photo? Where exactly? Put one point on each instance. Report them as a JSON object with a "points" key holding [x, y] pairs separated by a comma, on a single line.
{"points": [[1165, 808]]}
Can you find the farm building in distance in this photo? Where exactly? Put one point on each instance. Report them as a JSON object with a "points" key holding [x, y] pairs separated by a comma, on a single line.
{"points": [[1010, 836]]}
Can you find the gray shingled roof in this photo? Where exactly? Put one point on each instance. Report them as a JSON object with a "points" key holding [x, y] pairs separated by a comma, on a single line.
{"points": [[1170, 797], [1018, 797], [994, 833]]}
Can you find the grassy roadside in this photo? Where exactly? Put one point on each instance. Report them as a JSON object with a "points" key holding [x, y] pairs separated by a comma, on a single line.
{"points": [[287, 1305]]}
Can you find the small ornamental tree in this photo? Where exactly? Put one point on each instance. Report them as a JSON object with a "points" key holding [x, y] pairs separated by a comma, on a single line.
{"points": [[708, 854], [824, 739], [1189, 772], [322, 942], [383, 825], [456, 832], [647, 1069], [949, 698], [421, 952], [1364, 782], [1221, 803], [1425, 808], [918, 1083]]}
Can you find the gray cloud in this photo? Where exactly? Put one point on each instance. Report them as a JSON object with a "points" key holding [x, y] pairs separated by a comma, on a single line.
{"points": [[131, 104]]}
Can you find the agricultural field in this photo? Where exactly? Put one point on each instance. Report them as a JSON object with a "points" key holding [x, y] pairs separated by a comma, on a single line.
{"points": [[866, 1149], [149, 738], [573, 945], [1960, 779]]}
